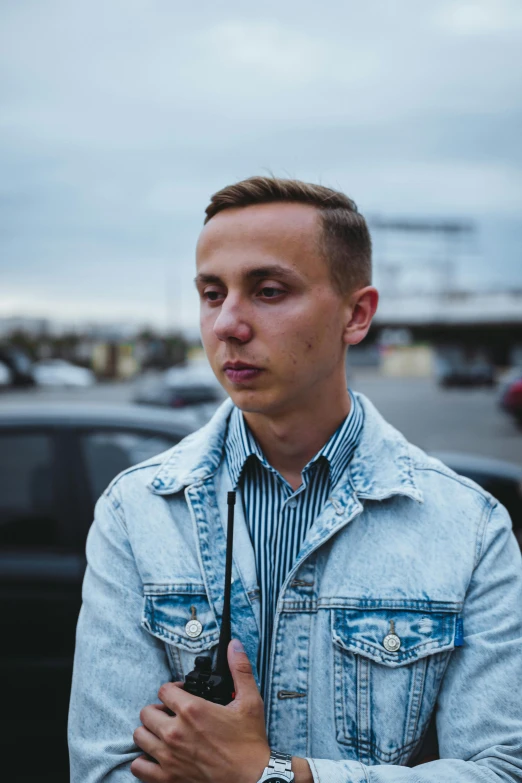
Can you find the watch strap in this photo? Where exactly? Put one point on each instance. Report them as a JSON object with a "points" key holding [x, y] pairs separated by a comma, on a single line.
{"points": [[280, 763]]}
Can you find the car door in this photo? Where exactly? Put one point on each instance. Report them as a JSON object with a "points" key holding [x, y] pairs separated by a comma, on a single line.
{"points": [[41, 570], [103, 452]]}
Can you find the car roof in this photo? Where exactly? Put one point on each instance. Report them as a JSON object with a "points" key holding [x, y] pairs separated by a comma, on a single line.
{"points": [[183, 422], [72, 414], [473, 463]]}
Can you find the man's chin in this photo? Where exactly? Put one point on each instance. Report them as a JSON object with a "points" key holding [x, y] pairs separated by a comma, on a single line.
{"points": [[250, 401], [247, 403]]}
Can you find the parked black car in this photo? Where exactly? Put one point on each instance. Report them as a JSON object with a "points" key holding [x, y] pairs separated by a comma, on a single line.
{"points": [[55, 461]]}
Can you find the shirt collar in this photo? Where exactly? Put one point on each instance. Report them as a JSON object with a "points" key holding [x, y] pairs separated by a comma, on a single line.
{"points": [[382, 465], [240, 445]]}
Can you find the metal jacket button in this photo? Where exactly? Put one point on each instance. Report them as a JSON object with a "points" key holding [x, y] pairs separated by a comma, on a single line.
{"points": [[391, 641], [193, 628]]}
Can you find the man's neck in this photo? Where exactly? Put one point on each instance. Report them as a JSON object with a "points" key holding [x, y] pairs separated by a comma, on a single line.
{"points": [[291, 440]]}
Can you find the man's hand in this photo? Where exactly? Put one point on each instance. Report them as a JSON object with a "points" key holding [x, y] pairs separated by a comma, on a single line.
{"points": [[204, 742]]}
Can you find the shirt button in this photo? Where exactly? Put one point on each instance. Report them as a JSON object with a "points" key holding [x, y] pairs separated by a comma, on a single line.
{"points": [[293, 503]]}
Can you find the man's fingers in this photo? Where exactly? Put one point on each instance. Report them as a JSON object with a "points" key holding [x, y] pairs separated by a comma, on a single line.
{"points": [[156, 718], [146, 770], [179, 700], [241, 670], [148, 741]]}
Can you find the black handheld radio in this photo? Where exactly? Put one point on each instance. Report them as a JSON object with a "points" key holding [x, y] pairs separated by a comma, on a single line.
{"points": [[216, 684]]}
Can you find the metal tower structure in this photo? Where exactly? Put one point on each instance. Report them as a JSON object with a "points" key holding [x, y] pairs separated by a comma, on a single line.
{"points": [[419, 255]]}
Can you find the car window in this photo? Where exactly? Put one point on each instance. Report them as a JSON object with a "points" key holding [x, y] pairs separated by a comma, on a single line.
{"points": [[108, 453], [29, 506]]}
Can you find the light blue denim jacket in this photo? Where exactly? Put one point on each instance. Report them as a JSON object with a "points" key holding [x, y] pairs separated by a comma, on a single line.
{"points": [[402, 539]]}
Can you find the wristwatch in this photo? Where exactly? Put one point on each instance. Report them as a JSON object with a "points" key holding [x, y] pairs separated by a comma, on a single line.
{"points": [[279, 769]]}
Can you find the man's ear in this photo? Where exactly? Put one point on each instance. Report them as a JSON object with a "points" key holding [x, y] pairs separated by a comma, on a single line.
{"points": [[361, 307]]}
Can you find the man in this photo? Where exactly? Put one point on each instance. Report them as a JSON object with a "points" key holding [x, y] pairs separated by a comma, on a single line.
{"points": [[377, 595]]}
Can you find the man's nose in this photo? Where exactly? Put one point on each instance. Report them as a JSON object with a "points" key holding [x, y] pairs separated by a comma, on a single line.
{"points": [[231, 323]]}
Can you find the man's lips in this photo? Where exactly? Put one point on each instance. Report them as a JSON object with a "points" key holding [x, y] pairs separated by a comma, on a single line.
{"points": [[239, 372], [239, 366]]}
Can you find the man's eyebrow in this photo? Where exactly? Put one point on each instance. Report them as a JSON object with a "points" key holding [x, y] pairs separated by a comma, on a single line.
{"points": [[274, 270], [203, 278]]}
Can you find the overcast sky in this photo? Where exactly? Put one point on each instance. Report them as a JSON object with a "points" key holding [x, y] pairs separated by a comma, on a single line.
{"points": [[119, 119]]}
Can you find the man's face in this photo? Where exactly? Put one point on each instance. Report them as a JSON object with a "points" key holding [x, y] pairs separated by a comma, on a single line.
{"points": [[267, 301]]}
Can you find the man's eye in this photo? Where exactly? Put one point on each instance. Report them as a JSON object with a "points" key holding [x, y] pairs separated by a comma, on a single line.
{"points": [[212, 296], [270, 293]]}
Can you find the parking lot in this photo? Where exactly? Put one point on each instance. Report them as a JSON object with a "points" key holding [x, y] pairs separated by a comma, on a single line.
{"points": [[456, 420], [436, 419]]}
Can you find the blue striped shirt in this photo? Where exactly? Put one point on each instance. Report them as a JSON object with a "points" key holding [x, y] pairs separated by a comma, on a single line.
{"points": [[278, 516]]}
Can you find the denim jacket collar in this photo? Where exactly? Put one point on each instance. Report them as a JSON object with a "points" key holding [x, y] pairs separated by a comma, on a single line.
{"points": [[381, 465]]}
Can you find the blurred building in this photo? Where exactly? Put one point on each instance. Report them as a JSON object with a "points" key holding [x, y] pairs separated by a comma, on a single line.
{"points": [[417, 270], [112, 351]]}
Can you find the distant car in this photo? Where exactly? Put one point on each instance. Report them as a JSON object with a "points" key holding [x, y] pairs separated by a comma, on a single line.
{"points": [[507, 378], [181, 387], [477, 372], [6, 376], [58, 372], [19, 364], [55, 461], [510, 397]]}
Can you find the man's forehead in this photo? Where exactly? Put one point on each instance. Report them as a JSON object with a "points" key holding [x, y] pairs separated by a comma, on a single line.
{"points": [[267, 224]]}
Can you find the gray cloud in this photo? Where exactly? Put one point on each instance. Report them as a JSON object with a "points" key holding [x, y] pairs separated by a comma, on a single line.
{"points": [[120, 119]]}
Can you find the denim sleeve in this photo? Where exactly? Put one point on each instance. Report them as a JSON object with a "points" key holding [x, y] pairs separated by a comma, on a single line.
{"points": [[118, 666], [479, 715]]}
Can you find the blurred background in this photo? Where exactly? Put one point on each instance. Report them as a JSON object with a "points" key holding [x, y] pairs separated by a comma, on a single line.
{"points": [[118, 121]]}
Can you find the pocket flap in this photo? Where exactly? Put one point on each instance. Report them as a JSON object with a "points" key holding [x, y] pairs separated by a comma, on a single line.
{"points": [[364, 631], [168, 609]]}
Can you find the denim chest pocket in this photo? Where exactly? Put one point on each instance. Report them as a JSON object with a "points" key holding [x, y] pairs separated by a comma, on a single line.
{"points": [[388, 663], [181, 616]]}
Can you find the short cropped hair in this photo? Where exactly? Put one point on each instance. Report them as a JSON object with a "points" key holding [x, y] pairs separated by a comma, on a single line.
{"points": [[344, 241]]}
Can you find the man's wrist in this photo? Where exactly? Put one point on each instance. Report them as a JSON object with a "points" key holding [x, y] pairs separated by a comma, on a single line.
{"points": [[259, 765], [301, 770]]}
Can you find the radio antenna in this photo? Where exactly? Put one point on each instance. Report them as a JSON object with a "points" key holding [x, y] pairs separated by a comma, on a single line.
{"points": [[222, 666], [217, 685]]}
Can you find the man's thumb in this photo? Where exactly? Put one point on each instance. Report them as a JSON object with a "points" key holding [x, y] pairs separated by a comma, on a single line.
{"points": [[240, 668]]}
